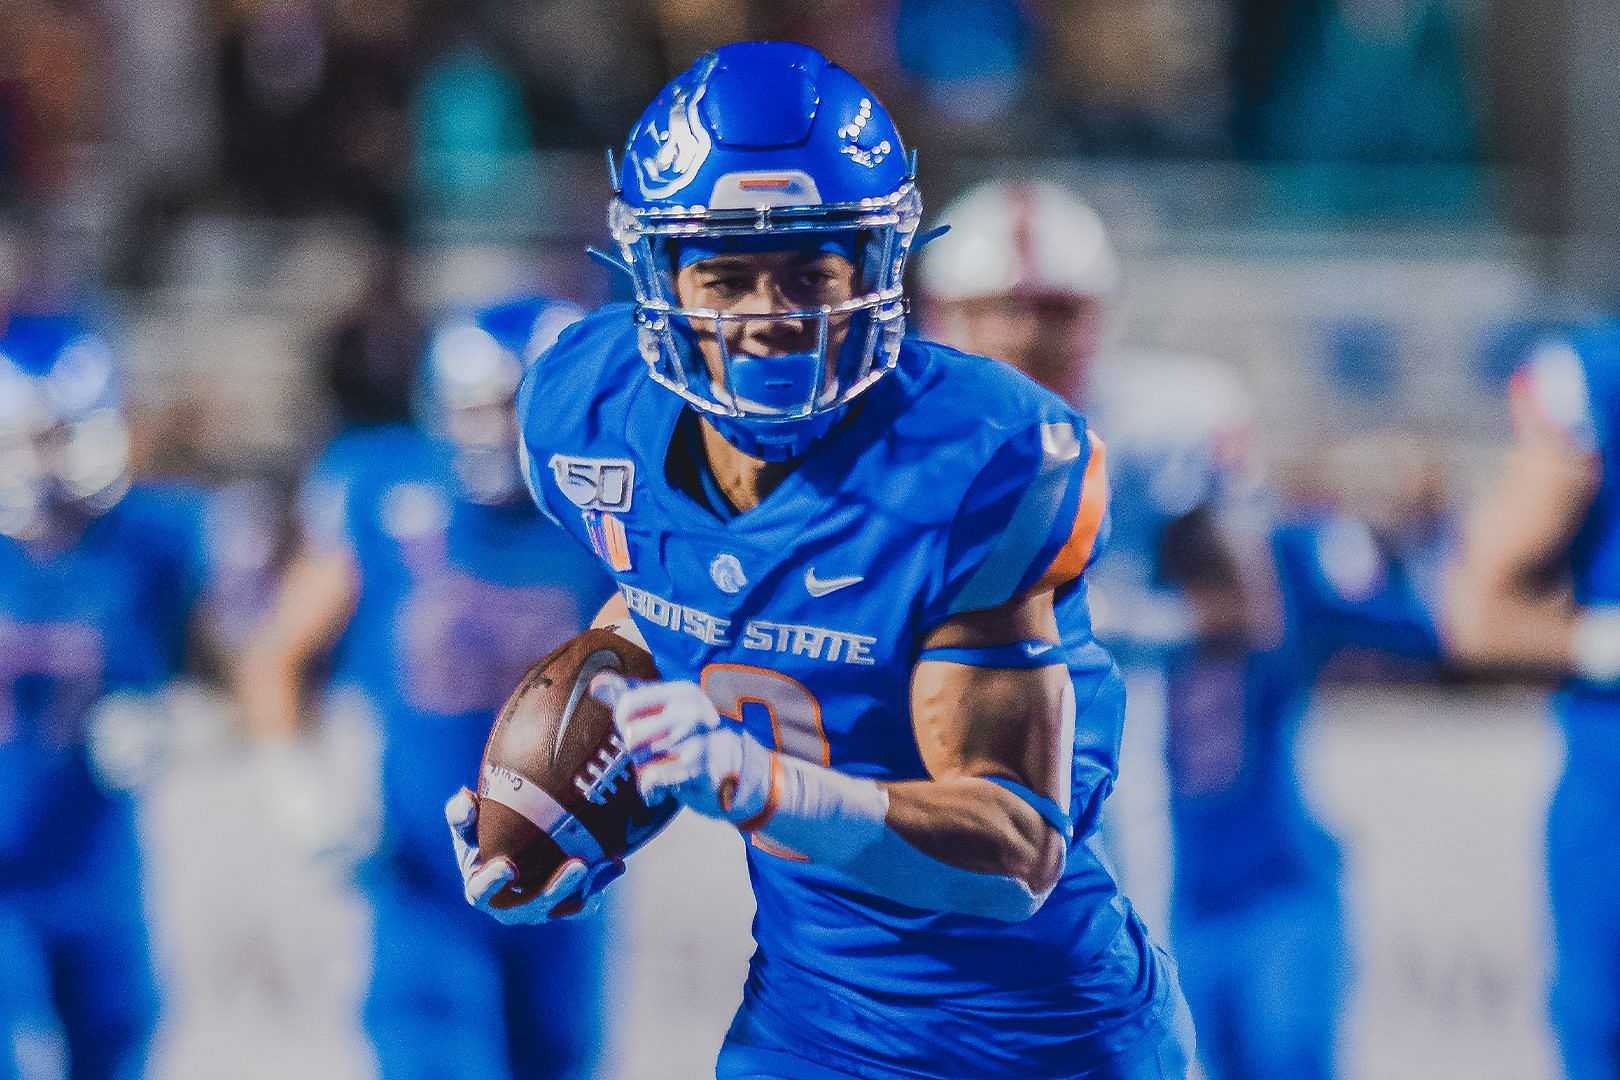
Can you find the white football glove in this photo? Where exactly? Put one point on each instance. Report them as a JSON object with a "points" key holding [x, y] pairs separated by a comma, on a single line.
{"points": [[129, 736], [574, 891], [680, 747]]}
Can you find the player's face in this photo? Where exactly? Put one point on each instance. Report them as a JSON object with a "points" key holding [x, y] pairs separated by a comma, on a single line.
{"points": [[46, 469], [762, 283], [1053, 339]]}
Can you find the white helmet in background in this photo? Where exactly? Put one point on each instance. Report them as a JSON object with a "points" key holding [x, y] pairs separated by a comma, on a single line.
{"points": [[1025, 275], [1020, 236]]}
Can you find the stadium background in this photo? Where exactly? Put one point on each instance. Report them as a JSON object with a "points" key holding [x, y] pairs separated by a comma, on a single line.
{"points": [[1367, 206]]}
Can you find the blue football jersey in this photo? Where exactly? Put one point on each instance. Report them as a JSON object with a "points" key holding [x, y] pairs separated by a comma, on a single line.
{"points": [[108, 613], [375, 453], [1577, 385], [956, 485], [1242, 824], [457, 599]]}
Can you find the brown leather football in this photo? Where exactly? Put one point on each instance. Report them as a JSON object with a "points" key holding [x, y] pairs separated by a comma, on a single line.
{"points": [[555, 781]]}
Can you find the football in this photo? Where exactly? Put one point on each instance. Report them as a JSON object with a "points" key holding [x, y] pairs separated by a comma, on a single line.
{"points": [[555, 780]]}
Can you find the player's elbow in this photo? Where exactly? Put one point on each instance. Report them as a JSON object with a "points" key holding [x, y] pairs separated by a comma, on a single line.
{"points": [[1039, 864], [1017, 896], [1031, 862], [1028, 856]]}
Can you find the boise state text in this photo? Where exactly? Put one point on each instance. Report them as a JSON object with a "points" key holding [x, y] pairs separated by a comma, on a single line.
{"points": [[955, 485]]}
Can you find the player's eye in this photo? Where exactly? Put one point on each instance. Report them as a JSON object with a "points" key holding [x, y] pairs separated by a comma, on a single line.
{"points": [[728, 285]]}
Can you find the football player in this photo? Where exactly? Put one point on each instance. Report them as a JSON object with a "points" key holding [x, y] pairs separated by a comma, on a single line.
{"points": [[99, 582], [1534, 588], [1228, 617], [427, 568], [859, 560]]}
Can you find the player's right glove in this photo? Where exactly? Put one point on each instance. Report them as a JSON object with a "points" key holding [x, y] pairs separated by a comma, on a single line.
{"points": [[574, 891], [682, 748]]}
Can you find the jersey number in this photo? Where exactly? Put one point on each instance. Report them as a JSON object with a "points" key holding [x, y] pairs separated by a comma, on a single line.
{"points": [[756, 697]]}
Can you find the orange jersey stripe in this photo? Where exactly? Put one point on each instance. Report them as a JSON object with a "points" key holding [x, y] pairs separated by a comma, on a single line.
{"points": [[618, 543], [1075, 553]]}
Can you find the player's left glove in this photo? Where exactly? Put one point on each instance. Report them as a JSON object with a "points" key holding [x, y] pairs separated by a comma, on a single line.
{"points": [[574, 891], [681, 747]]}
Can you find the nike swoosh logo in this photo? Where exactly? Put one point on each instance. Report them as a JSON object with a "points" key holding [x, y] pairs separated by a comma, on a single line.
{"points": [[1032, 649], [822, 586]]}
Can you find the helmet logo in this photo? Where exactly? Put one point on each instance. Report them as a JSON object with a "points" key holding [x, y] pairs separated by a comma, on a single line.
{"points": [[727, 573], [851, 134], [680, 150]]}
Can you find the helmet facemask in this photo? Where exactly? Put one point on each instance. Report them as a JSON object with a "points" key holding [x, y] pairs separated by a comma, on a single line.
{"points": [[464, 401], [64, 444], [771, 406]]}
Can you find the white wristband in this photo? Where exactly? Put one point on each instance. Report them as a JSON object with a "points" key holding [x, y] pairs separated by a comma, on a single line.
{"points": [[1595, 645]]}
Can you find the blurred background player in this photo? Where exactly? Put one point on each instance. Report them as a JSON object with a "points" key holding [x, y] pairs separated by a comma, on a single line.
{"points": [[100, 580], [1223, 618], [426, 564], [1534, 589], [1257, 917], [1028, 275]]}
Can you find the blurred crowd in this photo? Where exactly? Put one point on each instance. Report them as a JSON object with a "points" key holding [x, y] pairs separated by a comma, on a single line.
{"points": [[388, 107]]}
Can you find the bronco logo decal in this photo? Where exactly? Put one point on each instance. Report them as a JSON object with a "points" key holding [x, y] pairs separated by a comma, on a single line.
{"points": [[668, 160]]}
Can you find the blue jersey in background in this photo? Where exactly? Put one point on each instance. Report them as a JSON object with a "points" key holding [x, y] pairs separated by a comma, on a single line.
{"points": [[1257, 915], [1576, 384], [109, 612], [456, 600]]}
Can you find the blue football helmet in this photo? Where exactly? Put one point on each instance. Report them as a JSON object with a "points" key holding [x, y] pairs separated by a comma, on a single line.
{"points": [[468, 382], [767, 144], [64, 444]]}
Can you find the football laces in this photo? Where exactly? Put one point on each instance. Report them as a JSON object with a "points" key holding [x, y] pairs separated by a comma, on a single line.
{"points": [[604, 771]]}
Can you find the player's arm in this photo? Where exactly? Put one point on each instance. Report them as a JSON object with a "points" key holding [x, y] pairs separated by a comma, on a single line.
{"points": [[985, 834], [997, 743], [615, 616], [311, 609], [1509, 601]]}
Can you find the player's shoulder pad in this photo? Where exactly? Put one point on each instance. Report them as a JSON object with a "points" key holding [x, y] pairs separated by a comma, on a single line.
{"points": [[577, 394], [1330, 557], [355, 451], [593, 361], [162, 505], [1031, 501], [355, 466], [164, 520]]}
